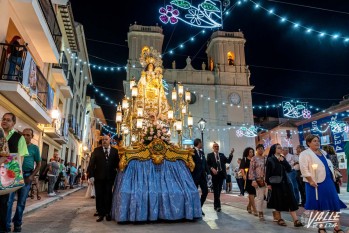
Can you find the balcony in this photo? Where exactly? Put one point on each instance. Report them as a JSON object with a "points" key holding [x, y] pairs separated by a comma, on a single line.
{"points": [[69, 26], [78, 132], [60, 71], [22, 82], [72, 123], [40, 23], [67, 91], [60, 2], [58, 131]]}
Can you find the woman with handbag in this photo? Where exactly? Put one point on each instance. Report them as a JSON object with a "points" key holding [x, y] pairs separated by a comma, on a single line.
{"points": [[244, 168], [257, 174], [317, 172], [331, 155], [282, 197]]}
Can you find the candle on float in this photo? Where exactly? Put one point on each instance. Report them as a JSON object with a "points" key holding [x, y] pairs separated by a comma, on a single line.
{"points": [[134, 92], [187, 96], [174, 95], [180, 89], [190, 120], [139, 123], [170, 114], [140, 112], [125, 103], [179, 125]]}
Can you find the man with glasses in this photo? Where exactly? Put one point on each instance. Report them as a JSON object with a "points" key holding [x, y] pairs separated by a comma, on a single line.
{"points": [[29, 171], [216, 162], [16, 144]]}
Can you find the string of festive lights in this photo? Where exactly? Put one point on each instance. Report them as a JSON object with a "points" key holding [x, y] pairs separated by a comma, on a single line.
{"points": [[247, 130], [296, 24], [79, 61], [275, 106]]}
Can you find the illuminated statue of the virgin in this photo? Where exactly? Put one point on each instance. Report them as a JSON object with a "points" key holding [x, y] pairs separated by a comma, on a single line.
{"points": [[151, 94]]}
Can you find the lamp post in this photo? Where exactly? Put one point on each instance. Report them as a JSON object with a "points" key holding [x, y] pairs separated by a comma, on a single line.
{"points": [[202, 125]]}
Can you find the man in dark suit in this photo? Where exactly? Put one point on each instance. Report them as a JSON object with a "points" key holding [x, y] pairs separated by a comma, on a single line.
{"points": [[102, 171], [200, 171], [216, 162]]}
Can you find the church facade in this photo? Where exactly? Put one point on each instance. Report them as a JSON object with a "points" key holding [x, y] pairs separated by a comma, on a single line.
{"points": [[220, 90]]}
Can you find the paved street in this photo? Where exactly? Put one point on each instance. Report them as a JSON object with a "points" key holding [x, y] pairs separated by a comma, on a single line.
{"points": [[74, 213]]}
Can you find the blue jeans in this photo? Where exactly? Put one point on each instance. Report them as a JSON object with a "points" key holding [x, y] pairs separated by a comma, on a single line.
{"points": [[292, 176], [71, 180], [21, 200], [14, 61]]}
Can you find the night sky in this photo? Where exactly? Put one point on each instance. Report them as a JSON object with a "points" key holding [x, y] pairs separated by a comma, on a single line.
{"points": [[285, 62]]}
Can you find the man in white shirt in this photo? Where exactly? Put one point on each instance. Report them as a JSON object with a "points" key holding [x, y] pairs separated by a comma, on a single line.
{"points": [[292, 175]]}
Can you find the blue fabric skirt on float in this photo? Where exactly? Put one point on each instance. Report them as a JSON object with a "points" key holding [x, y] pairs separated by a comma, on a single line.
{"points": [[328, 199], [148, 192]]}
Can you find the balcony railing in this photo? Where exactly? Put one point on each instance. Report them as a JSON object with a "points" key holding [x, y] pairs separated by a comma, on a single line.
{"points": [[50, 16], [12, 61], [71, 83], [43, 90], [65, 128], [78, 132], [72, 123], [16, 64], [63, 64]]}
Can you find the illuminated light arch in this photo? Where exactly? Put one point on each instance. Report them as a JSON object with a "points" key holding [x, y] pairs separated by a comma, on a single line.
{"points": [[205, 15], [247, 132], [295, 110]]}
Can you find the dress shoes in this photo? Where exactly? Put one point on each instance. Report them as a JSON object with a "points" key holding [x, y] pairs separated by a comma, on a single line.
{"points": [[100, 219], [96, 214], [108, 218], [17, 229], [219, 209]]}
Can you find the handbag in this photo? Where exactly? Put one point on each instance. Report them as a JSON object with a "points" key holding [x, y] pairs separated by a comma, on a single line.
{"points": [[11, 176], [260, 182], [267, 196], [337, 174], [275, 179]]}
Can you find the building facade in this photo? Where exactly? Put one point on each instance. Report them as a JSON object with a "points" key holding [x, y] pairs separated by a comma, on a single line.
{"points": [[332, 126], [220, 90], [277, 130], [42, 79]]}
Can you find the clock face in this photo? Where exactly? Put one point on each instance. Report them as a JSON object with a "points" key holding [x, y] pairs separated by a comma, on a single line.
{"points": [[234, 98]]}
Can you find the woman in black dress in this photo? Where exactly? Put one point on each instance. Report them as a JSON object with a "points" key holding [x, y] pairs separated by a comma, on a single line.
{"points": [[244, 168], [282, 197]]}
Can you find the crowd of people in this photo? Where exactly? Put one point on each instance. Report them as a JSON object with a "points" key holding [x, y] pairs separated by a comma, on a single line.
{"points": [[279, 180], [56, 174]]}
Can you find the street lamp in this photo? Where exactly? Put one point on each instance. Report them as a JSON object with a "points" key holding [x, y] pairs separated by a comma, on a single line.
{"points": [[201, 126]]}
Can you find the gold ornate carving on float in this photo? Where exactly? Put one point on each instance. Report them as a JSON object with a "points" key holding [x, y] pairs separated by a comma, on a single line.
{"points": [[145, 118], [157, 151]]}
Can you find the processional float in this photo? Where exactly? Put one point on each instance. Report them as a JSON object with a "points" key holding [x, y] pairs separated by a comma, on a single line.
{"points": [[146, 119], [154, 181]]}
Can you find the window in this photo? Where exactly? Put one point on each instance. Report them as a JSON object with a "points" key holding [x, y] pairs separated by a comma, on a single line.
{"points": [[231, 58], [211, 66]]}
